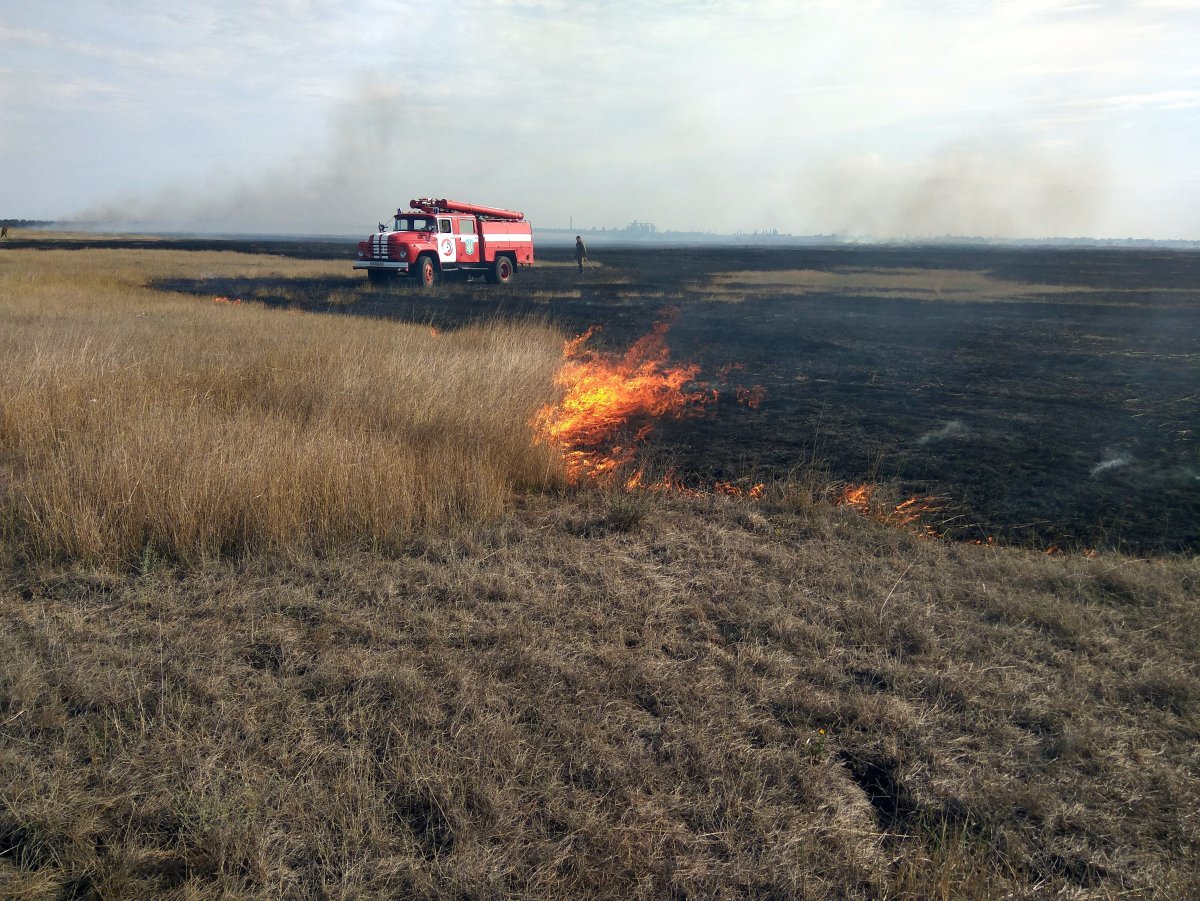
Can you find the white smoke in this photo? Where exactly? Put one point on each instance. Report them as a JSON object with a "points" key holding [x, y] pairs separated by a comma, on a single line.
{"points": [[1111, 461], [988, 185], [950, 430]]}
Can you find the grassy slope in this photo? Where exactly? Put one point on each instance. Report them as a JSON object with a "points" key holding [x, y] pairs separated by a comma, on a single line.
{"points": [[592, 699], [585, 695]]}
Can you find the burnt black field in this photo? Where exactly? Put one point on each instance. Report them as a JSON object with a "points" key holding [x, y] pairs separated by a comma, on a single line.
{"points": [[1064, 414]]}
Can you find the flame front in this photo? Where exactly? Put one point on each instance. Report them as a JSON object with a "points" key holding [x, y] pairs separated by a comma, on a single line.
{"points": [[906, 513], [605, 398]]}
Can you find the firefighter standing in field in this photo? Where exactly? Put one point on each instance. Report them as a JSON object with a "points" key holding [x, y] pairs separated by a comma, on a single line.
{"points": [[3, 231], [580, 252]]}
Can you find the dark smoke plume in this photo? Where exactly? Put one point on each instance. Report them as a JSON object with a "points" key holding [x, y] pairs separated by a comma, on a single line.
{"points": [[342, 185]]}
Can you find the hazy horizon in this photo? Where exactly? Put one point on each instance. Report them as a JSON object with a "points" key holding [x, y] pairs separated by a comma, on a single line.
{"points": [[609, 236], [906, 120]]}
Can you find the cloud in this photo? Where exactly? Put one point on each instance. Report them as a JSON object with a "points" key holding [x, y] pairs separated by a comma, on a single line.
{"points": [[1175, 99]]}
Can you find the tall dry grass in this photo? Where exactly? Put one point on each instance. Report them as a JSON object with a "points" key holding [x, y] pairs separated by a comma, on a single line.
{"points": [[135, 422]]}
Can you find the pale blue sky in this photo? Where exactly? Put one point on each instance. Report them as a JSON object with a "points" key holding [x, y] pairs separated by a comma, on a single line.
{"points": [[910, 118]]}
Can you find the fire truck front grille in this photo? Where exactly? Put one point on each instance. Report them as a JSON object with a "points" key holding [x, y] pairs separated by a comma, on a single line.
{"points": [[379, 246]]}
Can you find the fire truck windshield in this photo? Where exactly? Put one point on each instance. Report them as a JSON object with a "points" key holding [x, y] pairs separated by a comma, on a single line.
{"points": [[414, 224]]}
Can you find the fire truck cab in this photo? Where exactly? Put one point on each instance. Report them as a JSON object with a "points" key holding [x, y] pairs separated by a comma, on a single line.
{"points": [[436, 237]]}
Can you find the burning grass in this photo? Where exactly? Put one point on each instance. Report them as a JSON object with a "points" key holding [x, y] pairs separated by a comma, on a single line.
{"points": [[609, 404], [137, 423], [917, 513]]}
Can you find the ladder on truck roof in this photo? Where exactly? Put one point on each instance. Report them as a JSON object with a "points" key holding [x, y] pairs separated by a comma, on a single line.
{"points": [[429, 205]]}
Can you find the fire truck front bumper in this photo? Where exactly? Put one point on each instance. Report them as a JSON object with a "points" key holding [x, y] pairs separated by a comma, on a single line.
{"points": [[391, 265]]}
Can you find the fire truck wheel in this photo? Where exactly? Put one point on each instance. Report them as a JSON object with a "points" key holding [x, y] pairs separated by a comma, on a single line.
{"points": [[502, 270], [426, 272]]}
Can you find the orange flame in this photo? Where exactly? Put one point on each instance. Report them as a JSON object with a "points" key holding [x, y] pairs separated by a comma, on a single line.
{"points": [[754, 492], [605, 396], [858, 497], [610, 405], [669, 483], [751, 397], [905, 513]]}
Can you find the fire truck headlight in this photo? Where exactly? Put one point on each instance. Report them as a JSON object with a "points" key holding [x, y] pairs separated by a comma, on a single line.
{"points": [[402, 253]]}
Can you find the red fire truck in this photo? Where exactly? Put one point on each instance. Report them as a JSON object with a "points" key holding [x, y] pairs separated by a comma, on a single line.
{"points": [[443, 236]]}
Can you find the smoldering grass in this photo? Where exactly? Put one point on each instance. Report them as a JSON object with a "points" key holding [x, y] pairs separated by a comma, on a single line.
{"points": [[1110, 461], [953, 429]]}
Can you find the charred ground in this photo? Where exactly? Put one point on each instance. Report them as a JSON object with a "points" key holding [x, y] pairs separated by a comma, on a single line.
{"points": [[1049, 396]]}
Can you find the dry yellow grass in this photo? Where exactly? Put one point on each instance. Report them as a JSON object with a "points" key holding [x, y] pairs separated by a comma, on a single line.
{"points": [[135, 423], [711, 699]]}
